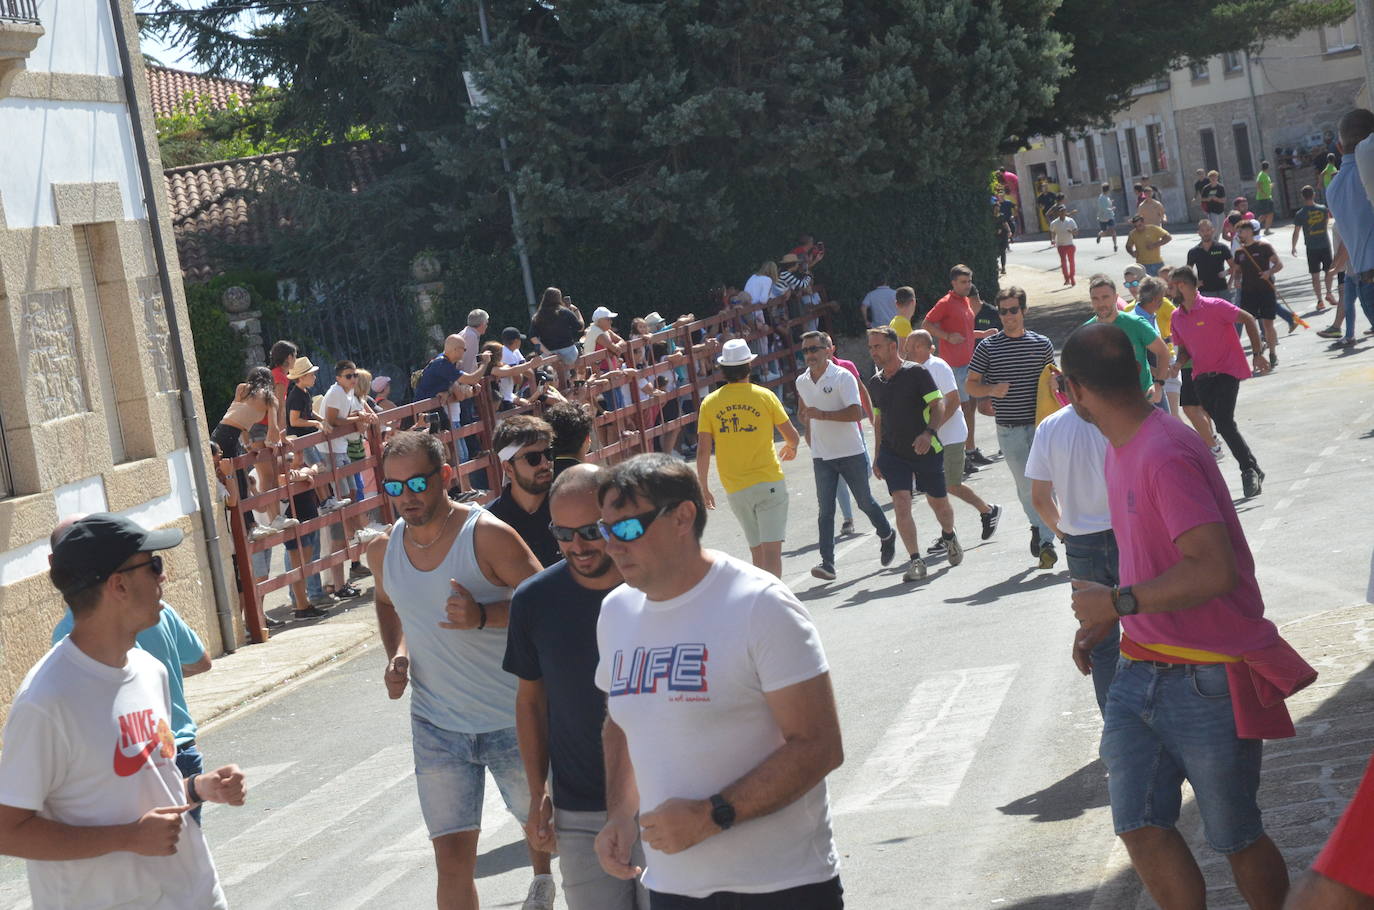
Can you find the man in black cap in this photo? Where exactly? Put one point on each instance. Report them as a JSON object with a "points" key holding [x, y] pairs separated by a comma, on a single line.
{"points": [[87, 827]]}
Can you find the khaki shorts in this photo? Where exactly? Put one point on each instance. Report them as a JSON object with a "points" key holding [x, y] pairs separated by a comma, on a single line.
{"points": [[954, 464], [762, 511]]}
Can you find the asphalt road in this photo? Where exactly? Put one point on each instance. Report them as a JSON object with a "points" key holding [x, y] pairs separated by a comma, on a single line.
{"points": [[971, 777]]}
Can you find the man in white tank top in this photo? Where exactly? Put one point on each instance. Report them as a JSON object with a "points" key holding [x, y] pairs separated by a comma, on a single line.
{"points": [[444, 578]]}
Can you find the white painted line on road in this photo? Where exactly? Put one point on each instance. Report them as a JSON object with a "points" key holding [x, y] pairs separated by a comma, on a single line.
{"points": [[400, 856], [1314, 468], [1329, 450], [1299, 484], [1283, 503], [320, 810], [1269, 524], [923, 756]]}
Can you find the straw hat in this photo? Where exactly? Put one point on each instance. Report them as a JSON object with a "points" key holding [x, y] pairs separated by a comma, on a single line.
{"points": [[301, 367]]}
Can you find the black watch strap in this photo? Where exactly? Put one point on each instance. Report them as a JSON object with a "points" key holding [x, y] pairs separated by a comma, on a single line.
{"points": [[722, 813]]}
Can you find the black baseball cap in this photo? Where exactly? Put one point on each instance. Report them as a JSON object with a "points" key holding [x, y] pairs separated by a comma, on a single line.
{"points": [[510, 333], [94, 547]]}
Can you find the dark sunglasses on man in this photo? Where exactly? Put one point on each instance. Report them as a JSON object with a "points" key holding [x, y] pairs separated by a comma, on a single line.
{"points": [[589, 532], [534, 458]]}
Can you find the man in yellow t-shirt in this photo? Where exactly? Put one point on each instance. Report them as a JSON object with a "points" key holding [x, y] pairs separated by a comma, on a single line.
{"points": [[737, 422], [906, 313], [1144, 242]]}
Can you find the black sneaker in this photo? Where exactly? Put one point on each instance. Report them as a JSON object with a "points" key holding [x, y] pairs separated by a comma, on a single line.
{"points": [[1048, 556], [348, 591], [1251, 482], [969, 466], [1273, 359], [310, 613], [1035, 541], [990, 519], [358, 570], [977, 457], [888, 547], [274, 623], [937, 548], [824, 572]]}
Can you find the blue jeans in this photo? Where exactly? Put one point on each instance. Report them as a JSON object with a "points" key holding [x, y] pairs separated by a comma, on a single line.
{"points": [[313, 588], [1016, 443], [190, 763], [1093, 557], [854, 470], [842, 491], [1167, 724], [1354, 289], [1153, 268]]}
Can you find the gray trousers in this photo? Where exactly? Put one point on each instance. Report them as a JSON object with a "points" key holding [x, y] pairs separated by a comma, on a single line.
{"points": [[586, 886]]}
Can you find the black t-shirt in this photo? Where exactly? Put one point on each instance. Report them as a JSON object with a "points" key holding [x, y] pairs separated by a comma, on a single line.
{"points": [[1046, 199], [557, 331], [552, 637], [304, 507], [904, 400], [298, 399], [1210, 265], [533, 528], [987, 318], [1252, 260], [1214, 199], [1197, 187]]}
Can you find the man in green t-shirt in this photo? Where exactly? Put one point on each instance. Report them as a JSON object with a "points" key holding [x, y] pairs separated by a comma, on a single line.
{"points": [[1144, 339], [1264, 198]]}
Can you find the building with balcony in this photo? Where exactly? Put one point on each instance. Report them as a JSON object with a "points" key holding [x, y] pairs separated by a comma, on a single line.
{"points": [[100, 389], [1227, 113]]}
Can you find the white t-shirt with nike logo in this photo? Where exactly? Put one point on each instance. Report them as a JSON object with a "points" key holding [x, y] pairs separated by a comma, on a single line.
{"points": [[89, 744]]}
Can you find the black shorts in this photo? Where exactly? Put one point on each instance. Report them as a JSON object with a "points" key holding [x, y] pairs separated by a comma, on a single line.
{"points": [[1260, 304], [1318, 260], [919, 473], [1187, 395]]}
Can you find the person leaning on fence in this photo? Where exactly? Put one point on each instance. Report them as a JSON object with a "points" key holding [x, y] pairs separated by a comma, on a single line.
{"points": [[253, 401], [556, 326]]}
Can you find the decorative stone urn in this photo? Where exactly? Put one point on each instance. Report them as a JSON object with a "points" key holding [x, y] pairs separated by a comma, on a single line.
{"points": [[236, 299]]}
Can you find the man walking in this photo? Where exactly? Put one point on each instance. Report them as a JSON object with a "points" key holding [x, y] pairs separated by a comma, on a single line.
{"points": [[99, 833], [1264, 198], [1351, 208], [1106, 215], [1069, 492], [721, 724], [1182, 705], [1205, 336], [737, 421], [907, 407], [1144, 242], [904, 321], [950, 433], [952, 322], [1006, 367], [1311, 221], [879, 305], [1144, 337], [524, 446], [551, 647], [1258, 263], [444, 576], [830, 411]]}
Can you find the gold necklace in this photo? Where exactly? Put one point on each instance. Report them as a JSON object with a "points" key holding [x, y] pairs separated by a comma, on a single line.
{"points": [[442, 529]]}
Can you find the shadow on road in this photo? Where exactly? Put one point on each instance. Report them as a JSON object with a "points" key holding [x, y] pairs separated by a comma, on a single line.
{"points": [[503, 859], [1028, 579], [1064, 799]]}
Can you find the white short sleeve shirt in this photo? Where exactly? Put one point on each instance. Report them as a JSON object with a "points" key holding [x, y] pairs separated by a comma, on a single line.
{"points": [[955, 429], [347, 404], [836, 390], [1071, 454]]}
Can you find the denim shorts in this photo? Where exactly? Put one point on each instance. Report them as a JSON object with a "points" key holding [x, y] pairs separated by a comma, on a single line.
{"points": [[1166, 725], [341, 460], [569, 354], [961, 380], [451, 772]]}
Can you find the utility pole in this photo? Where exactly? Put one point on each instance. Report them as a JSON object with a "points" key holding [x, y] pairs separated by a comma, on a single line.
{"points": [[1364, 24]]}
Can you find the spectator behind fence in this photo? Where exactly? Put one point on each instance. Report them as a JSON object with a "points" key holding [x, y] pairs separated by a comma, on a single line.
{"points": [[572, 434], [523, 444], [478, 320], [555, 327]]}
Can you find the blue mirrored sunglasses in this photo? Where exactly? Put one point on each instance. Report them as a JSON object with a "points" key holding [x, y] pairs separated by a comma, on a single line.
{"points": [[632, 527], [418, 484]]}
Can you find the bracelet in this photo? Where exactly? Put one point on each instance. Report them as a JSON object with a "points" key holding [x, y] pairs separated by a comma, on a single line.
{"points": [[482, 624], [191, 795]]}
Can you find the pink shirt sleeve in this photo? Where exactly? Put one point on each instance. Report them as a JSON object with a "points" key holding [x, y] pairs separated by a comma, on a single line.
{"points": [[1183, 497]]}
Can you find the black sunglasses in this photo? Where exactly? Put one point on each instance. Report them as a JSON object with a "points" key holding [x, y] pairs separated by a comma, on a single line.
{"points": [[586, 532], [155, 562], [534, 458], [418, 484], [812, 349], [350, 375], [632, 527], [1009, 312]]}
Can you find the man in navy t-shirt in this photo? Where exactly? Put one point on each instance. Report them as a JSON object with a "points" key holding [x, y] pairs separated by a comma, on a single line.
{"points": [[559, 711]]}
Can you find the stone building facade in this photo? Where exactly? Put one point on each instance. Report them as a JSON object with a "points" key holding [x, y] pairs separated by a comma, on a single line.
{"points": [[1230, 112], [91, 413]]}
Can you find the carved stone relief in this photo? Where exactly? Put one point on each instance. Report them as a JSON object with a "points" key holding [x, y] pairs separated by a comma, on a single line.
{"points": [[56, 381], [157, 333]]}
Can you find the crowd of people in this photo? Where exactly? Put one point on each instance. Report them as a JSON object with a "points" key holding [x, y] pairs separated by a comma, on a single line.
{"points": [[661, 714]]}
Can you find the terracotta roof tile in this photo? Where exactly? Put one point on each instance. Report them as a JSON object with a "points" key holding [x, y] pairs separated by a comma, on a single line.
{"points": [[170, 89], [216, 202]]}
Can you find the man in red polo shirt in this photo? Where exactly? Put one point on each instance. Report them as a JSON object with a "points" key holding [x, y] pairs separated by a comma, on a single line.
{"points": [[950, 322], [1342, 878]]}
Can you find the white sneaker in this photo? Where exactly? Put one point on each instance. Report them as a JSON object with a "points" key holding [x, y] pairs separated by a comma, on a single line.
{"points": [[333, 504], [541, 894], [282, 522], [261, 531], [365, 536], [1217, 453], [915, 570]]}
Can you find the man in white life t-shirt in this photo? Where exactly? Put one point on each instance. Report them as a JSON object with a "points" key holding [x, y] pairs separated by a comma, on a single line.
{"points": [[831, 410], [952, 434], [1069, 491], [90, 793], [712, 670]]}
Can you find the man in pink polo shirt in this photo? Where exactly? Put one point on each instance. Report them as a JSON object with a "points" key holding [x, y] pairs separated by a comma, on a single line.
{"points": [[1205, 339], [950, 322], [1195, 643]]}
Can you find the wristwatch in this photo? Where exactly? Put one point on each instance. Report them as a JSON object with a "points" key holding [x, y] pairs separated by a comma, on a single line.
{"points": [[1123, 601], [722, 813]]}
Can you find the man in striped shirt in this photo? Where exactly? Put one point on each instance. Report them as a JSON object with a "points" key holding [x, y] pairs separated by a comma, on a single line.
{"points": [[1006, 367]]}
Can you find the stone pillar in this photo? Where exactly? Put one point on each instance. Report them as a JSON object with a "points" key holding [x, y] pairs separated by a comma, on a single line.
{"points": [[237, 302]]}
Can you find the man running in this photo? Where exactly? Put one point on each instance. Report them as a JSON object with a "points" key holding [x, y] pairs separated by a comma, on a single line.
{"points": [[907, 407], [444, 576], [1311, 221], [721, 724], [903, 322], [1264, 197], [1182, 705], [1144, 242], [524, 445], [1351, 208], [1144, 337], [737, 422], [1205, 337], [1006, 367], [951, 322], [1258, 263], [923, 353], [830, 410], [1106, 215], [100, 832], [551, 647]]}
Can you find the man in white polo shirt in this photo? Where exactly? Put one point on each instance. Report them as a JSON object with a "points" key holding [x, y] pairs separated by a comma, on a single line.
{"points": [[830, 410]]}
